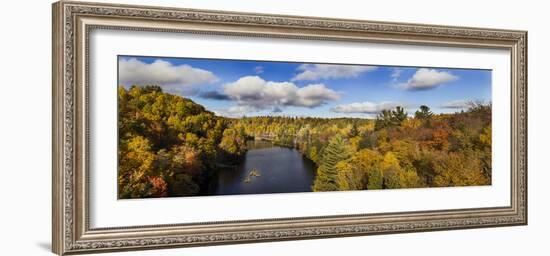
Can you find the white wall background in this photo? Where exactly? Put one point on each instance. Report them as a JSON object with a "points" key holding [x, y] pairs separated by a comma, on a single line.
{"points": [[25, 116]]}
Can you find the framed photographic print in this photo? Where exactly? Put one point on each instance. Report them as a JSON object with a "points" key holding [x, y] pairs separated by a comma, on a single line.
{"points": [[179, 127]]}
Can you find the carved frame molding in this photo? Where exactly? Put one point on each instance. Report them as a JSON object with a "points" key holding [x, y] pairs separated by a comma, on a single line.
{"points": [[72, 23]]}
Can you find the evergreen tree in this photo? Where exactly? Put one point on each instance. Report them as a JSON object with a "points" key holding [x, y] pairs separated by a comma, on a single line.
{"points": [[390, 118], [383, 120], [327, 173], [423, 113], [398, 116]]}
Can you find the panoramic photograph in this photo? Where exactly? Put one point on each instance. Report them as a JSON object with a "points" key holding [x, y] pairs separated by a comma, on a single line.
{"points": [[211, 127]]}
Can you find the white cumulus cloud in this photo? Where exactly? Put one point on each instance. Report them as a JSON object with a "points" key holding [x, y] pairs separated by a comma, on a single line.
{"points": [[312, 72], [457, 104], [396, 73], [172, 78], [253, 93], [240, 110], [365, 107], [425, 78]]}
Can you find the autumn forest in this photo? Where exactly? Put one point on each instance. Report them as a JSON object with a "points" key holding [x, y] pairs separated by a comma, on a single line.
{"points": [[170, 146]]}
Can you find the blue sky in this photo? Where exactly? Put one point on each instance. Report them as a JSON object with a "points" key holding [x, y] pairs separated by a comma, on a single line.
{"points": [[250, 88]]}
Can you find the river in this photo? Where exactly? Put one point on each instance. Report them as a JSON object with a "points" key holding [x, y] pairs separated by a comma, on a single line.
{"points": [[278, 170]]}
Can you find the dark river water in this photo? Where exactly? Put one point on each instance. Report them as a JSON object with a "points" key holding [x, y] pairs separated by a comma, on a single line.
{"points": [[266, 168]]}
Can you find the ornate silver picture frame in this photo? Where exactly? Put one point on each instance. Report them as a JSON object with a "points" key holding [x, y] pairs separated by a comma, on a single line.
{"points": [[74, 21]]}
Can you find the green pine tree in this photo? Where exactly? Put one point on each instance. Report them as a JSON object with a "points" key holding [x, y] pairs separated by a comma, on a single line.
{"points": [[423, 113], [327, 174], [390, 118], [398, 116]]}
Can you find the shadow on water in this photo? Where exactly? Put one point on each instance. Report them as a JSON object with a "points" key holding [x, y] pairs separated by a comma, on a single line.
{"points": [[266, 168]]}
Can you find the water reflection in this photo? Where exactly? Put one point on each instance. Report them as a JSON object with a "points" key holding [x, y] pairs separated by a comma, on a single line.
{"points": [[266, 168]]}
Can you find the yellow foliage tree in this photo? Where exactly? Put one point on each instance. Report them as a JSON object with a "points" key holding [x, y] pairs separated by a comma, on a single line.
{"points": [[459, 169]]}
